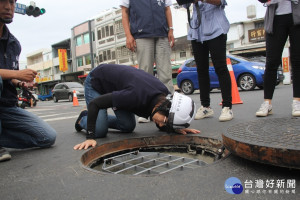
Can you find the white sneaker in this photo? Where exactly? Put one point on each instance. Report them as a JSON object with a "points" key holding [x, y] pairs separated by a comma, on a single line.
{"points": [[296, 108], [226, 114], [264, 110], [203, 112], [143, 120], [4, 155]]}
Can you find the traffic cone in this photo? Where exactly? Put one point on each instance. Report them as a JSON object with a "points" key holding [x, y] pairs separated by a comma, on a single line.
{"points": [[234, 90], [75, 100]]}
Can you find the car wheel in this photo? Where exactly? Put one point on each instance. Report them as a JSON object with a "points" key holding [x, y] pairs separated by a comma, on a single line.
{"points": [[247, 82], [187, 87], [55, 99], [70, 97]]}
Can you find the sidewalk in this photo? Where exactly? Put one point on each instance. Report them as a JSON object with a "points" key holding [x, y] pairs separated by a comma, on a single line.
{"points": [[56, 173]]}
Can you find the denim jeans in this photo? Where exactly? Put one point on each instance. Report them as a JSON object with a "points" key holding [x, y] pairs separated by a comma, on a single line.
{"points": [[21, 129], [123, 121]]}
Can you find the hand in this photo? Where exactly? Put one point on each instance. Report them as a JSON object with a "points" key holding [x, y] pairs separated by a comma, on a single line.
{"points": [[26, 75], [131, 43], [85, 145], [171, 38], [185, 131]]}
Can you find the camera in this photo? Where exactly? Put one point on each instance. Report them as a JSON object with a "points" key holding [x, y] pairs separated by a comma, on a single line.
{"points": [[181, 2]]}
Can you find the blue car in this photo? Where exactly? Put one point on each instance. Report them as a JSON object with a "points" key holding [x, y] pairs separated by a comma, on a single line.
{"points": [[247, 74]]}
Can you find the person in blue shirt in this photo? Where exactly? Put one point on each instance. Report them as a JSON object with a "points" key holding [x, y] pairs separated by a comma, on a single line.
{"points": [[208, 35], [19, 128]]}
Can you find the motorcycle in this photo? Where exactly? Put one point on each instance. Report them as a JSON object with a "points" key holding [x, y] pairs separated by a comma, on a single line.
{"points": [[25, 98]]}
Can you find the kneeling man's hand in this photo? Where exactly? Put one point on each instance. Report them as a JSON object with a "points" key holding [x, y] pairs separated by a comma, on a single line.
{"points": [[85, 145]]}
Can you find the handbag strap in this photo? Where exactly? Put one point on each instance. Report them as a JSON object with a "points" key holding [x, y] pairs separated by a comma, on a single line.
{"points": [[198, 16]]}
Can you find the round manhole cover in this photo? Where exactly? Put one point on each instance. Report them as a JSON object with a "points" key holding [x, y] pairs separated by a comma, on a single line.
{"points": [[271, 141], [154, 155]]}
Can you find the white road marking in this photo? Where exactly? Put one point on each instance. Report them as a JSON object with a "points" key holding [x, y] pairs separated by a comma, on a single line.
{"points": [[60, 118], [56, 114]]}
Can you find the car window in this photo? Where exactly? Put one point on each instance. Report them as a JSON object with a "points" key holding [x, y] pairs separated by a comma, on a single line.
{"points": [[192, 63], [74, 85], [59, 86], [233, 61]]}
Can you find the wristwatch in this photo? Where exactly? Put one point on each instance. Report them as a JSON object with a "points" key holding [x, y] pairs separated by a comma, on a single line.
{"points": [[171, 28]]}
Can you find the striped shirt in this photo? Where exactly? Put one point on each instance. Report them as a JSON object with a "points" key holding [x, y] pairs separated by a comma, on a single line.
{"points": [[213, 22]]}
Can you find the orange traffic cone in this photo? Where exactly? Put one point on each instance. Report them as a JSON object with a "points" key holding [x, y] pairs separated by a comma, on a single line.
{"points": [[234, 90], [75, 100]]}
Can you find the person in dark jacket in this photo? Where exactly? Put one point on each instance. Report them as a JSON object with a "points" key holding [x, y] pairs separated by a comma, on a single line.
{"points": [[18, 128], [129, 92], [282, 20]]}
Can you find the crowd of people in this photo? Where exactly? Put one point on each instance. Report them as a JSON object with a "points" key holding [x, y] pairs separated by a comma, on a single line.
{"points": [[137, 92]]}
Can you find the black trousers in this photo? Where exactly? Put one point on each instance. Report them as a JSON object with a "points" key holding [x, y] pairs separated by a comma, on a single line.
{"points": [[217, 49], [282, 28]]}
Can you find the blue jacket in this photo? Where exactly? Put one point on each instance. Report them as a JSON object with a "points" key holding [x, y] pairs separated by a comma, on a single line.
{"points": [[10, 50], [132, 89], [148, 19]]}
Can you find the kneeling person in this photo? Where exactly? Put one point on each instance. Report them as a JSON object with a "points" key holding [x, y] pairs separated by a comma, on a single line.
{"points": [[129, 92]]}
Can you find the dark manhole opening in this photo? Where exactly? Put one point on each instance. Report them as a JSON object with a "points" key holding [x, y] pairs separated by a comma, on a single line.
{"points": [[154, 155]]}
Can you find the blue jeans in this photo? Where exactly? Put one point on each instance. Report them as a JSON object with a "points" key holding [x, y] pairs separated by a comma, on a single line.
{"points": [[123, 121], [21, 129]]}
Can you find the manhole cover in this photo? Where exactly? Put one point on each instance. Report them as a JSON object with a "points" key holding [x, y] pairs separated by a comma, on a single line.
{"points": [[271, 141], [154, 155]]}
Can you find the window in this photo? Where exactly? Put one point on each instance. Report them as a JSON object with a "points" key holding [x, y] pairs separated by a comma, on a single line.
{"points": [[78, 41], [104, 56], [79, 62], [111, 30], [106, 30], [182, 54], [259, 24], [86, 38], [103, 32], [87, 59], [113, 55], [108, 55]]}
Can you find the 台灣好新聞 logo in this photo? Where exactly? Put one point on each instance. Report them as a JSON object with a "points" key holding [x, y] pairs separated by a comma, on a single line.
{"points": [[233, 185]]}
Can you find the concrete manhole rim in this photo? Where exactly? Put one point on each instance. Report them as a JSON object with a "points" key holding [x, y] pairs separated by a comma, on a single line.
{"points": [[281, 155], [89, 158]]}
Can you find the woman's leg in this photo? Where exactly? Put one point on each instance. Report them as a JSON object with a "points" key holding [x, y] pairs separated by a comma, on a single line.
{"points": [[274, 44], [201, 55], [217, 49]]}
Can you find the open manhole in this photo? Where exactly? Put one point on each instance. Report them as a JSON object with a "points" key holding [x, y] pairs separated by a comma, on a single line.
{"points": [[154, 155]]}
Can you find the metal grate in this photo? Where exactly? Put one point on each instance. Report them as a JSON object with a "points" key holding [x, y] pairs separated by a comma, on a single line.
{"points": [[150, 163]]}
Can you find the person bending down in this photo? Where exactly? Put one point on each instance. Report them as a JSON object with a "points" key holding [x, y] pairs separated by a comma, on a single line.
{"points": [[129, 92]]}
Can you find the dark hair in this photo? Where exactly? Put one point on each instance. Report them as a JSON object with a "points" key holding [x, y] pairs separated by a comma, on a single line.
{"points": [[162, 106]]}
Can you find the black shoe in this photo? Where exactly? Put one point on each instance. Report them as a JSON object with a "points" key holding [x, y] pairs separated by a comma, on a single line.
{"points": [[4, 155], [77, 125]]}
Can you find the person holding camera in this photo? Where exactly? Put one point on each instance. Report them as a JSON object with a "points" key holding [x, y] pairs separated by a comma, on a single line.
{"points": [[19, 128], [282, 20], [208, 34]]}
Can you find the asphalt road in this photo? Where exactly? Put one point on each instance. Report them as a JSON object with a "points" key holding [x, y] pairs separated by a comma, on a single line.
{"points": [[57, 173]]}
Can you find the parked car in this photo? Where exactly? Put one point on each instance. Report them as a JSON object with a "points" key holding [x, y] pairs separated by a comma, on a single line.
{"points": [[65, 91], [247, 74]]}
